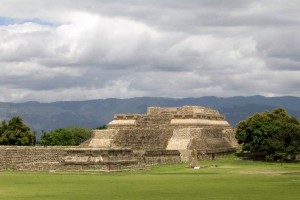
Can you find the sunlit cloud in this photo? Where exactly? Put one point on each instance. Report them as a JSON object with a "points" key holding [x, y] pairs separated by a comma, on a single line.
{"points": [[76, 50]]}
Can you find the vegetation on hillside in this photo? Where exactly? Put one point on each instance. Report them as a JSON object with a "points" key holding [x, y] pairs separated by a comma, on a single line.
{"points": [[272, 135], [16, 132], [70, 136]]}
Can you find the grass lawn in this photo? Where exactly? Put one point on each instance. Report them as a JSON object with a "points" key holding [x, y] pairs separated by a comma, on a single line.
{"points": [[226, 178]]}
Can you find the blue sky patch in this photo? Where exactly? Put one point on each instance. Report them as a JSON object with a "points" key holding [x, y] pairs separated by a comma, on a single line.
{"points": [[4, 21]]}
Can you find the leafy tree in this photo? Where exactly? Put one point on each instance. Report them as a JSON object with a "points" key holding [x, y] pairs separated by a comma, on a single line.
{"points": [[101, 127], [270, 134], [15, 132], [70, 136]]}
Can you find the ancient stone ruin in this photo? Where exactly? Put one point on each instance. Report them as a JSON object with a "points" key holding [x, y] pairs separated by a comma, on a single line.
{"points": [[181, 128], [161, 136]]}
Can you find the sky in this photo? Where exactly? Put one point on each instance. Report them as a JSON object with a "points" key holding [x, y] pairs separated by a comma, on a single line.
{"points": [[65, 50]]}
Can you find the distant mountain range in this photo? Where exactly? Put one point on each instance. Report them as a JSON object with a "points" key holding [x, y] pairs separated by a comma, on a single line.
{"points": [[93, 113]]}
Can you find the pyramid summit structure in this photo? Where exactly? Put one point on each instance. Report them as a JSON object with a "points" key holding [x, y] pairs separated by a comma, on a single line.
{"points": [[176, 128]]}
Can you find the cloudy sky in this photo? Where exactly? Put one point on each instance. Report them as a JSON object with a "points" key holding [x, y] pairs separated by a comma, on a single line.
{"points": [[89, 49]]}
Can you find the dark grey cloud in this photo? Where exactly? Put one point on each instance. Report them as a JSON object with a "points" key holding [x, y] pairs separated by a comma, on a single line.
{"points": [[77, 49]]}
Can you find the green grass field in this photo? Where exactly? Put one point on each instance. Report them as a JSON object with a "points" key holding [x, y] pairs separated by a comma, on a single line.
{"points": [[226, 178]]}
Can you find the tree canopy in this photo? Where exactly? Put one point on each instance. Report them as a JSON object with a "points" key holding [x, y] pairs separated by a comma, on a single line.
{"points": [[101, 127], [70, 136], [270, 134], [15, 132]]}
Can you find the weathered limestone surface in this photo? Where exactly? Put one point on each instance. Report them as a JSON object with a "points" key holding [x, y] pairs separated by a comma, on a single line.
{"points": [[31, 158], [181, 128], [103, 140], [206, 140], [66, 159], [161, 157], [101, 159], [161, 136], [81, 159]]}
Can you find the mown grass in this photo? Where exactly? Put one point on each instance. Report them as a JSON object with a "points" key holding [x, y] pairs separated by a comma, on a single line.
{"points": [[226, 178]]}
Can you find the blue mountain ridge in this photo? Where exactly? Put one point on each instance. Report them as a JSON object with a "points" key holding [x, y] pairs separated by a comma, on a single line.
{"points": [[93, 113]]}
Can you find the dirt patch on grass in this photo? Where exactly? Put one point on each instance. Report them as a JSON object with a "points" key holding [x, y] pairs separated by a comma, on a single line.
{"points": [[271, 172]]}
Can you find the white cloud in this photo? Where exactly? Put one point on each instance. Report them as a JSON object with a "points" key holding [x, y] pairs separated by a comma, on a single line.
{"points": [[70, 50]]}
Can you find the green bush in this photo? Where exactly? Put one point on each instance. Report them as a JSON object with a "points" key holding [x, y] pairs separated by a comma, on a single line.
{"points": [[273, 135], [70, 136], [15, 132]]}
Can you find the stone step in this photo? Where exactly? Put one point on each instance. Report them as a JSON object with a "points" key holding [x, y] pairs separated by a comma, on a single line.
{"points": [[178, 144]]}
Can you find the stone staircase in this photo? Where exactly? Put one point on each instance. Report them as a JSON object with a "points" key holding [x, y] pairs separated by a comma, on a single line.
{"points": [[180, 140], [101, 139]]}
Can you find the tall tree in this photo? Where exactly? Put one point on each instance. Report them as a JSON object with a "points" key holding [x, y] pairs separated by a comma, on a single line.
{"points": [[271, 134], [16, 132]]}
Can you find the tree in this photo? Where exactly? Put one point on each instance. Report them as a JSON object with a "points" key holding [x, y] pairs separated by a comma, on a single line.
{"points": [[15, 132], [270, 134], [70, 136], [101, 127]]}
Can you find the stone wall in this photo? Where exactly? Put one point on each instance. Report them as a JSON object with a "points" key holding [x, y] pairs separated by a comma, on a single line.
{"points": [[65, 159], [212, 140], [81, 159], [31, 158], [145, 139], [99, 159], [161, 157]]}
